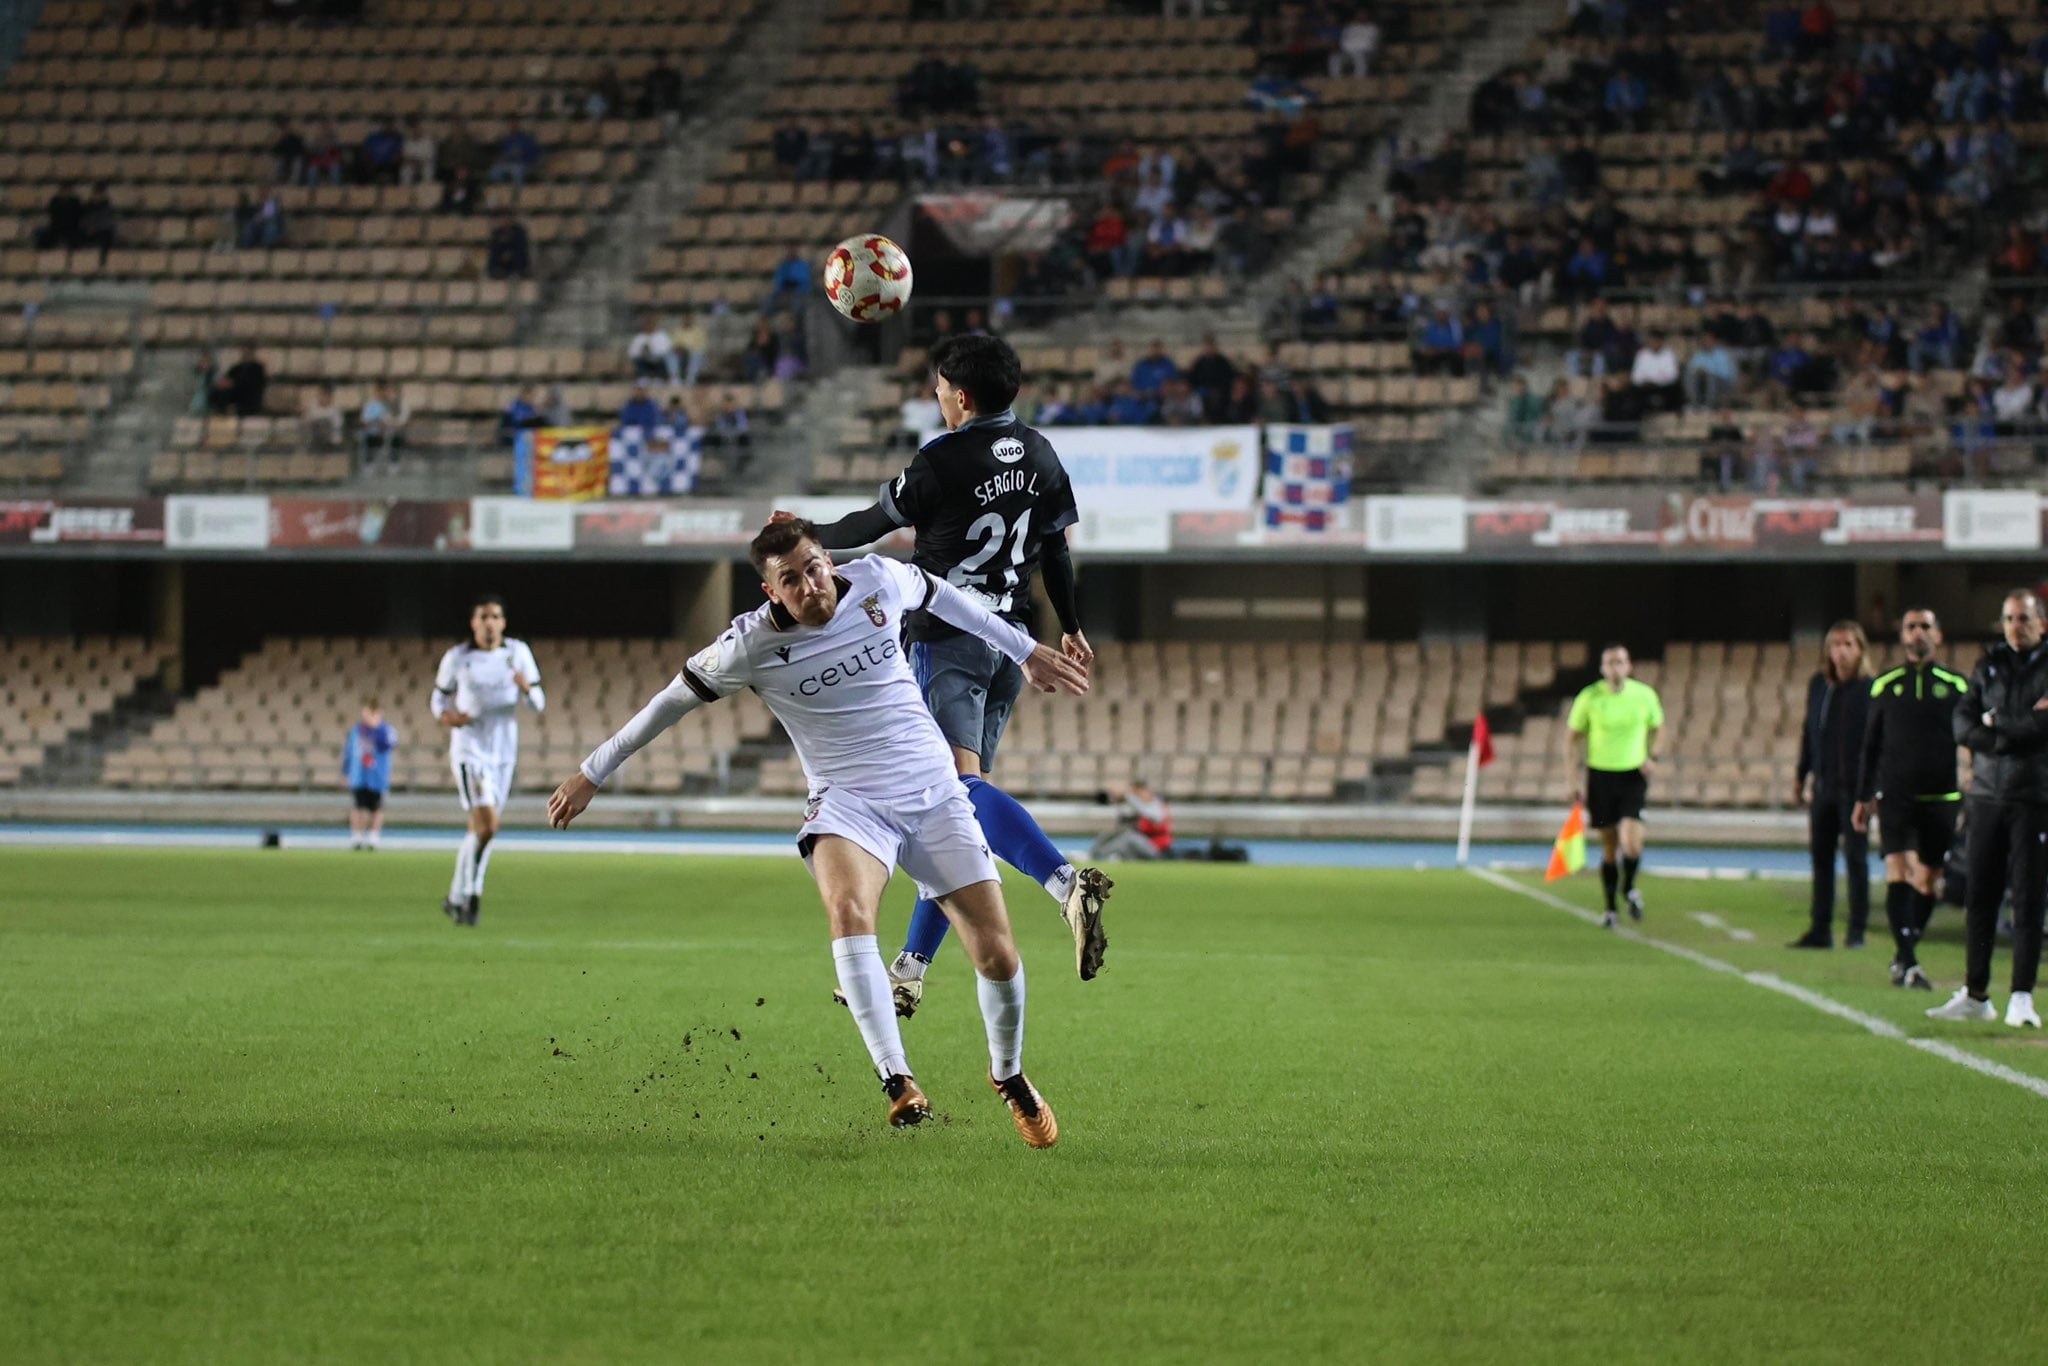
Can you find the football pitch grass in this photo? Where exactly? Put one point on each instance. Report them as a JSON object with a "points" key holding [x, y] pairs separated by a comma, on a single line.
{"points": [[272, 1107]]}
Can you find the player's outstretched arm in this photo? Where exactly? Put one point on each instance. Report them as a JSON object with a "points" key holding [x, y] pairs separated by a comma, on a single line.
{"points": [[570, 799], [681, 697], [852, 531]]}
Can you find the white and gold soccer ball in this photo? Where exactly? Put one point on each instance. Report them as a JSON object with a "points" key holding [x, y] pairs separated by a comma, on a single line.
{"points": [[867, 278]]}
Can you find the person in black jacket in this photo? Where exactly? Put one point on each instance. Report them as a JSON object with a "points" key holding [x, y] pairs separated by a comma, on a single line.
{"points": [[1908, 780], [2003, 722], [1830, 746]]}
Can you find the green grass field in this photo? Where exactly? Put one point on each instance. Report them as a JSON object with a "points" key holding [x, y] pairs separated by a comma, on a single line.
{"points": [[272, 1107]]}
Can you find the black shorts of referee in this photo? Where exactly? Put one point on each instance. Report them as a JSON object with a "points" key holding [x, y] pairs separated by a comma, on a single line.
{"points": [[1923, 826], [1614, 796]]}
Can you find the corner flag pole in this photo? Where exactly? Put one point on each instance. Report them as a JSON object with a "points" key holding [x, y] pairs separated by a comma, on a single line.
{"points": [[1471, 801]]}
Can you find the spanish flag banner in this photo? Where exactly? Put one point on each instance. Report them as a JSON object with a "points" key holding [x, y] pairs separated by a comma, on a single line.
{"points": [[1568, 855]]}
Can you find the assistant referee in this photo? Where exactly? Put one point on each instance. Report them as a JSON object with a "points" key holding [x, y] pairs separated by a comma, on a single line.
{"points": [[1612, 731]]}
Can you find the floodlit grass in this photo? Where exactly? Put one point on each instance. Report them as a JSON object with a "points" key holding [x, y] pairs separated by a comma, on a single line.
{"points": [[271, 1106]]}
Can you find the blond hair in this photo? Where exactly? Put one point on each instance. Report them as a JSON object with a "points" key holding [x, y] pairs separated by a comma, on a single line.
{"points": [[1854, 630]]}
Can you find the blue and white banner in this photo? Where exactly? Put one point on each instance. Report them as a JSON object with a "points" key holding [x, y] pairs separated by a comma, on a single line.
{"points": [[661, 463], [1308, 475]]}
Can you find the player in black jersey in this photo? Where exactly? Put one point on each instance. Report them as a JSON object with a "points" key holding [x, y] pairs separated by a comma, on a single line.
{"points": [[1908, 777], [991, 504]]}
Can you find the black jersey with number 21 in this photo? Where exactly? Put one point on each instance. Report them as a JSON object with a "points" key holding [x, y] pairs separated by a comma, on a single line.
{"points": [[981, 500]]}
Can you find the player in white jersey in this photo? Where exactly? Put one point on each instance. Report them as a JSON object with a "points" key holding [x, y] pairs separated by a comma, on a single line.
{"points": [[826, 655], [477, 691]]}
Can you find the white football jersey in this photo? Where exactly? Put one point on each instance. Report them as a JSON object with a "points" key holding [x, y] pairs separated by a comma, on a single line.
{"points": [[844, 690], [480, 684]]}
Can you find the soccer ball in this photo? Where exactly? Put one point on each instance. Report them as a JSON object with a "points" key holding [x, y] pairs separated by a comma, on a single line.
{"points": [[868, 278]]}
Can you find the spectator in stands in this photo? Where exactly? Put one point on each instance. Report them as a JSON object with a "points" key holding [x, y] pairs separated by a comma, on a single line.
{"points": [[1586, 274], [693, 338], [460, 192], [1721, 460], [1486, 342], [1211, 376], [732, 432], [1305, 402], [207, 396], [641, 408], [417, 155], [1153, 369], [1524, 416], [661, 95], [259, 222], [2012, 403], [791, 284], [1789, 366], [757, 361], [518, 158], [327, 159], [652, 353], [1596, 333], [66, 225], [1710, 373], [519, 416], [98, 226], [1131, 408], [383, 148], [1440, 349], [1178, 405], [1241, 405], [1799, 443], [1357, 44], [508, 254], [1655, 376], [556, 410], [381, 428], [1165, 244], [462, 151], [789, 144], [321, 418], [1569, 416], [1109, 249], [289, 153], [243, 385]]}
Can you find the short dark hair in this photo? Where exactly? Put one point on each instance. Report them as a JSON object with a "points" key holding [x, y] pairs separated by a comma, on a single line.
{"points": [[486, 600], [985, 368], [1613, 645], [779, 538]]}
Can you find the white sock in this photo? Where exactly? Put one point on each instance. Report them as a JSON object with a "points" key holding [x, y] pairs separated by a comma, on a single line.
{"points": [[483, 861], [1061, 883], [1002, 1011], [908, 966], [372, 838], [858, 961], [465, 862]]}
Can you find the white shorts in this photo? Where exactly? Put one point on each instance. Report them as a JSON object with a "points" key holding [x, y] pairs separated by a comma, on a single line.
{"points": [[932, 835], [481, 782]]}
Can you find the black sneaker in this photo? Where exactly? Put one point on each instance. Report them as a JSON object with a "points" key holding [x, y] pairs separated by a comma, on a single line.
{"points": [[1852, 940], [1813, 939], [472, 910], [1917, 979], [452, 908]]}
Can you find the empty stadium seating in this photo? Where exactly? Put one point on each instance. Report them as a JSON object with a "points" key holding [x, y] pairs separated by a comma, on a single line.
{"points": [[50, 688]]}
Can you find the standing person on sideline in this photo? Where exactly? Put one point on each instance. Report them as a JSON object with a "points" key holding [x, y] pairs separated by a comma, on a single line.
{"points": [[1830, 747], [1908, 778], [1612, 732], [366, 772], [476, 696], [991, 503], [824, 653], [2003, 722]]}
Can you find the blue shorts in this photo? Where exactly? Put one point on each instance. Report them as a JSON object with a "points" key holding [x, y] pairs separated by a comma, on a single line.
{"points": [[970, 687]]}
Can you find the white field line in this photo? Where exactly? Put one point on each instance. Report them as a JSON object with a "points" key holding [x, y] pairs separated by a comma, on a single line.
{"points": [[1883, 1029], [1715, 922]]}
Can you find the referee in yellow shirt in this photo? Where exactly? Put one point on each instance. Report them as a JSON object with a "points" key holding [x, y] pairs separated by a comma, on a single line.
{"points": [[1613, 731]]}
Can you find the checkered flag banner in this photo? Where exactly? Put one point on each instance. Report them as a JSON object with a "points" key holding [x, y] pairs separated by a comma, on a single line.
{"points": [[656, 464], [1308, 475]]}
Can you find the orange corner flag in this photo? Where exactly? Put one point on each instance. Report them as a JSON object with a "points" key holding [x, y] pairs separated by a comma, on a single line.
{"points": [[1568, 855], [1482, 740]]}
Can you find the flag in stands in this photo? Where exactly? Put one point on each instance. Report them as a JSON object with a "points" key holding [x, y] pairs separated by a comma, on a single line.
{"points": [[1308, 475], [1568, 855], [660, 462], [563, 462], [1482, 740]]}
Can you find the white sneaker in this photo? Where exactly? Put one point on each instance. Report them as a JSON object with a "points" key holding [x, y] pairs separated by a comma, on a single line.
{"points": [[1963, 1006], [2019, 1011], [906, 992]]}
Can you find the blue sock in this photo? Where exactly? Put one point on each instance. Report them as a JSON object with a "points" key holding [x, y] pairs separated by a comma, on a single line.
{"points": [[1016, 840], [1011, 832]]}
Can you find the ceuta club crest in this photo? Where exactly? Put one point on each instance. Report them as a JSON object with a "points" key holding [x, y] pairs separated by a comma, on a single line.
{"points": [[872, 605]]}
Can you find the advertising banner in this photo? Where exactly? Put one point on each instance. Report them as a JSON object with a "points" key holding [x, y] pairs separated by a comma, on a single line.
{"points": [[521, 524], [202, 523], [1162, 469], [1417, 525], [1991, 520]]}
